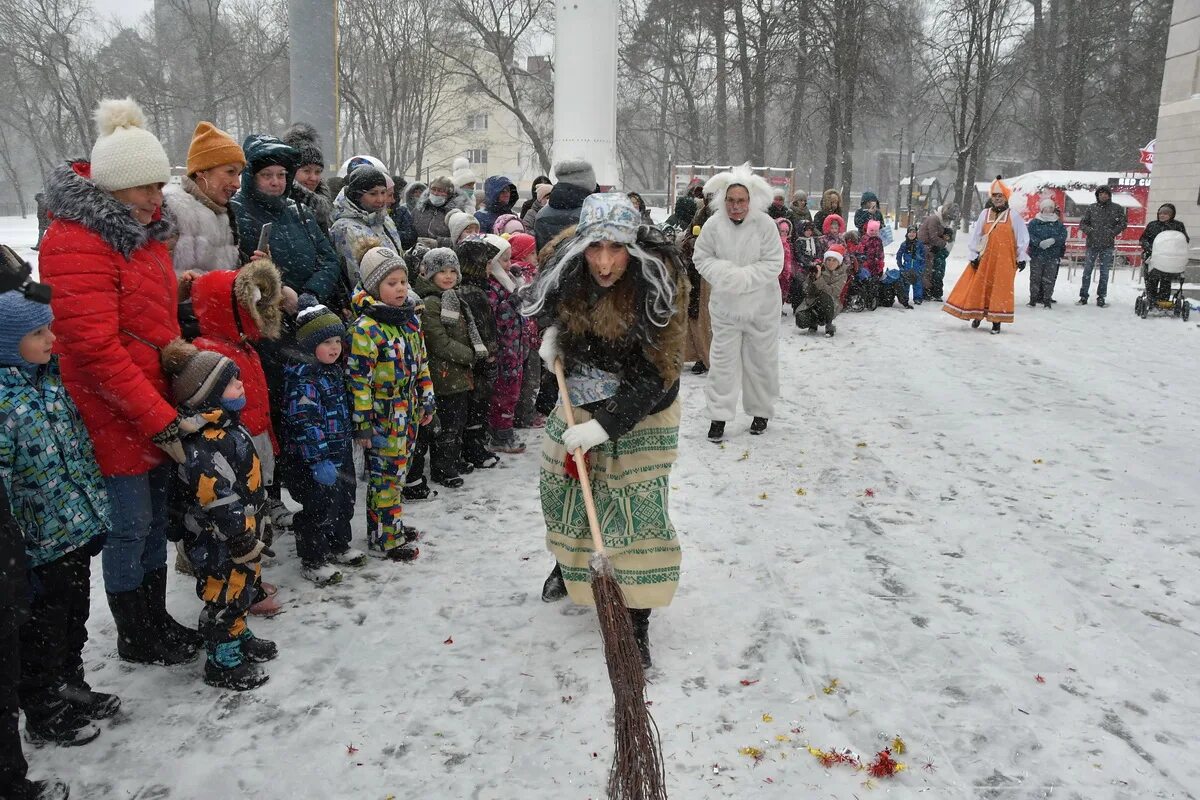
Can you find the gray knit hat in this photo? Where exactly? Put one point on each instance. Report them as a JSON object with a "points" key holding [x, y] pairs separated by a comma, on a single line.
{"points": [[577, 172], [439, 259], [198, 377], [458, 221], [376, 264], [316, 323]]}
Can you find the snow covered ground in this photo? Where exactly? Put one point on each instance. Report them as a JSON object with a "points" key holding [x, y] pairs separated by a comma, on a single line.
{"points": [[988, 542]]}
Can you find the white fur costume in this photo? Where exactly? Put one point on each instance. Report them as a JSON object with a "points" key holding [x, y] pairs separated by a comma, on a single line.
{"points": [[742, 262]]}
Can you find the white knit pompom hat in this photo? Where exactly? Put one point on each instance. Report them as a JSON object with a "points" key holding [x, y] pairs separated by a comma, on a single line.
{"points": [[126, 154]]}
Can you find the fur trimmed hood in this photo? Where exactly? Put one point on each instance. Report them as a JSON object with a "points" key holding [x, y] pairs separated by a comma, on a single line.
{"points": [[831, 201], [257, 290], [71, 196], [759, 190]]}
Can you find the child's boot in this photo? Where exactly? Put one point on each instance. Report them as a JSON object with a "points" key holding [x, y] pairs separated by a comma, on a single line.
{"points": [[89, 703], [227, 668], [322, 574], [255, 649], [57, 721]]}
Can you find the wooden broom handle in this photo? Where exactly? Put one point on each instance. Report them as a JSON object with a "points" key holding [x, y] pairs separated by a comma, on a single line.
{"points": [[585, 481]]}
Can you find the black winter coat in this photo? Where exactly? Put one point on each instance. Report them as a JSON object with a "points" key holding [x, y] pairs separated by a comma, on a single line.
{"points": [[1155, 228], [561, 212], [14, 585]]}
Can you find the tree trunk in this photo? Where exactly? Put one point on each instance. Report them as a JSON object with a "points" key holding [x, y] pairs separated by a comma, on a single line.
{"points": [[722, 101]]}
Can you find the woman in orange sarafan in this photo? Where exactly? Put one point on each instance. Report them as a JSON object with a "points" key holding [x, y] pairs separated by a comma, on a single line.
{"points": [[999, 246]]}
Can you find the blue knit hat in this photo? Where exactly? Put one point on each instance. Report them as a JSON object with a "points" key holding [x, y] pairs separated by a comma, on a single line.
{"points": [[19, 316], [609, 217]]}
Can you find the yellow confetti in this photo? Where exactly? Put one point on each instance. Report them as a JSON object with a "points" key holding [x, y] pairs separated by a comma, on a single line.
{"points": [[1037, 461], [831, 687], [861, 444], [817, 752], [868, 784], [768, 718], [782, 737], [762, 496], [753, 752], [800, 490], [898, 746], [744, 456]]}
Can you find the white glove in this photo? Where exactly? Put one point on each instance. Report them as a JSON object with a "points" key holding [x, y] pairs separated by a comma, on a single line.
{"points": [[1046, 244], [549, 351], [585, 436]]}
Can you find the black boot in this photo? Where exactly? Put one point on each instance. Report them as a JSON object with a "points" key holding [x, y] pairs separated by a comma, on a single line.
{"points": [[257, 650], [39, 790], [555, 588], [758, 425], [89, 703], [226, 668], [716, 431], [641, 633], [138, 640], [176, 633], [975, 323], [56, 721], [995, 327]]}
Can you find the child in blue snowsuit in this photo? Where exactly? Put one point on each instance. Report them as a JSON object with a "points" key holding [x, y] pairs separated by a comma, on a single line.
{"points": [[1047, 245], [910, 258], [318, 438], [59, 501]]}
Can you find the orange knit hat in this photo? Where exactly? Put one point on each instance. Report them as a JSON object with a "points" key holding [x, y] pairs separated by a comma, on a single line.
{"points": [[212, 147], [1000, 186]]}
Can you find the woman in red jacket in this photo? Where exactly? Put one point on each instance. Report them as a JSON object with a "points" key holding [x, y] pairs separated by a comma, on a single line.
{"points": [[115, 308]]}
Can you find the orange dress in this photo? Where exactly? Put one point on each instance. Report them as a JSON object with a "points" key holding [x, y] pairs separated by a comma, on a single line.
{"points": [[986, 292]]}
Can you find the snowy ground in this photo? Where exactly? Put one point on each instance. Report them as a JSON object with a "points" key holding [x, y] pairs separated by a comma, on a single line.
{"points": [[987, 541]]}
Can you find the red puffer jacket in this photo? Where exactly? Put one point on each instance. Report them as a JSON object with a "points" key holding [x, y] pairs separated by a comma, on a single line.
{"points": [[114, 309], [234, 310]]}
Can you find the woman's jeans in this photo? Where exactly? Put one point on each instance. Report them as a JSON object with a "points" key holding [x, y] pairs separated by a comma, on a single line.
{"points": [[137, 543]]}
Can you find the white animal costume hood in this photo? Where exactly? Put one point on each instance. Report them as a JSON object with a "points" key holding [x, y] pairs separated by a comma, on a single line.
{"points": [[760, 191]]}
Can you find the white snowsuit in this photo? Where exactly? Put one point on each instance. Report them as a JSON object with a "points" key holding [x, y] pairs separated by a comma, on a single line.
{"points": [[742, 262]]}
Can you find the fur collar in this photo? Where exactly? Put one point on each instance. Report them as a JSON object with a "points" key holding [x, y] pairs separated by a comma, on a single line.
{"points": [[71, 196], [199, 196]]}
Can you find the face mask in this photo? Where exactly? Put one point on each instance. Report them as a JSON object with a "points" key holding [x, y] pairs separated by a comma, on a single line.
{"points": [[436, 200], [233, 404]]}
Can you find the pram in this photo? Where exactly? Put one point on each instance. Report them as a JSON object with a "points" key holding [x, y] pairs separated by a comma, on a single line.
{"points": [[1166, 262], [864, 291]]}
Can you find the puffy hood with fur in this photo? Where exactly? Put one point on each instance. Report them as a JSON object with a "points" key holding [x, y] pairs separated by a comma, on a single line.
{"points": [[242, 304], [70, 195], [829, 220], [760, 191], [831, 201]]}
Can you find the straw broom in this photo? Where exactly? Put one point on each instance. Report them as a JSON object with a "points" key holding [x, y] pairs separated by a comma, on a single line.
{"points": [[637, 771]]}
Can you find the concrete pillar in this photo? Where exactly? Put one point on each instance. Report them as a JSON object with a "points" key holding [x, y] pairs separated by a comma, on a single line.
{"points": [[312, 28], [585, 85]]}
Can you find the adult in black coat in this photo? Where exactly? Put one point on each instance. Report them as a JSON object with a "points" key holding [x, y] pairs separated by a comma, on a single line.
{"points": [[576, 180], [1165, 221]]}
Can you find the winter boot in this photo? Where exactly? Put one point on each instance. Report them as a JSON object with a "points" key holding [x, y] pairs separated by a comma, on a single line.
{"points": [[255, 649], [138, 639], [417, 490], [449, 481], [39, 790], [975, 323], [178, 634], [1049, 304], [402, 553], [226, 668], [995, 328], [698, 368], [1100, 302], [641, 633], [758, 425], [475, 451], [349, 557], [830, 330], [58, 722], [322, 574], [506, 441], [555, 588], [89, 703], [281, 516], [716, 431], [464, 467], [1081, 301], [1032, 303]]}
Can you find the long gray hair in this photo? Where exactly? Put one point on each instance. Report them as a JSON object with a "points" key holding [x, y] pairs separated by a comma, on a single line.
{"points": [[653, 273]]}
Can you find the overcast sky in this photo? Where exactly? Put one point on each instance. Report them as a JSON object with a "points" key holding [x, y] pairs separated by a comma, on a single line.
{"points": [[127, 11]]}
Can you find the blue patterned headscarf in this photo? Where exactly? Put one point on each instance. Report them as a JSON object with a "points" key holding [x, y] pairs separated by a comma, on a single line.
{"points": [[608, 217]]}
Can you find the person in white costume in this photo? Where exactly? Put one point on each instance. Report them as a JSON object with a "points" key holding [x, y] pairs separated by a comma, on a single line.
{"points": [[740, 254]]}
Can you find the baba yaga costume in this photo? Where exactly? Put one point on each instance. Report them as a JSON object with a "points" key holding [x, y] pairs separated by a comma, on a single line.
{"points": [[999, 246], [622, 349]]}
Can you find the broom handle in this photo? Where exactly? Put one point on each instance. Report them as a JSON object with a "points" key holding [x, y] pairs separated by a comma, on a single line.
{"points": [[585, 481]]}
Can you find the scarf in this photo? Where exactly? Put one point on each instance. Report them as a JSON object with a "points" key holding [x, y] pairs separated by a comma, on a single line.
{"points": [[452, 308]]}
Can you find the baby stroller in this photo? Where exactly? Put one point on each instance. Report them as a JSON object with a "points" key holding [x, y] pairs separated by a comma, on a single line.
{"points": [[887, 287], [864, 291], [1165, 266]]}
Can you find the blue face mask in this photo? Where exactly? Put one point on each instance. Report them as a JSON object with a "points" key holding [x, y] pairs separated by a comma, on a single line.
{"points": [[233, 404]]}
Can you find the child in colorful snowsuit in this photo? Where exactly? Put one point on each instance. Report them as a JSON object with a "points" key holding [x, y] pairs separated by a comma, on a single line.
{"points": [[454, 346], [475, 254], [910, 258], [235, 310], [502, 298], [225, 521], [58, 499], [391, 392], [318, 439]]}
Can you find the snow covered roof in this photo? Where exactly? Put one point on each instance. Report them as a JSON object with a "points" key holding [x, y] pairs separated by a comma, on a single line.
{"points": [[1085, 197]]}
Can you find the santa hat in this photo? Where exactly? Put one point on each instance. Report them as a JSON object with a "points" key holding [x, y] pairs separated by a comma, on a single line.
{"points": [[836, 252]]}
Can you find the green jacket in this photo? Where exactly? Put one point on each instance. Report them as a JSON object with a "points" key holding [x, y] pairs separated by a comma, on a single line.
{"points": [[451, 356]]}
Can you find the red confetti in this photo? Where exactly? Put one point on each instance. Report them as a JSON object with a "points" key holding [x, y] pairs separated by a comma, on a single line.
{"points": [[883, 766], [869, 492], [746, 682], [1039, 679], [351, 749], [449, 640], [768, 780]]}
